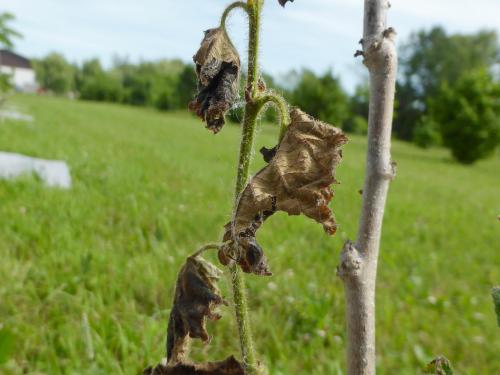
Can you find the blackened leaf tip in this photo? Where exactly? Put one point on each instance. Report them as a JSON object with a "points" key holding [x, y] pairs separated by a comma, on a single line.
{"points": [[283, 2], [218, 71], [268, 153]]}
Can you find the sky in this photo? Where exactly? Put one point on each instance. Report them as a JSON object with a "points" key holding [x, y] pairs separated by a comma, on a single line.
{"points": [[314, 34]]}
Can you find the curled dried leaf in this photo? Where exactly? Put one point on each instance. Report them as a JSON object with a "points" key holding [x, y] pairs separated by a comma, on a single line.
{"points": [[297, 180], [196, 298], [283, 2], [218, 71], [229, 366]]}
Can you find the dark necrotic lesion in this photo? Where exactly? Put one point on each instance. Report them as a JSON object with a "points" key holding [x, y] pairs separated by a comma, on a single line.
{"points": [[215, 99]]}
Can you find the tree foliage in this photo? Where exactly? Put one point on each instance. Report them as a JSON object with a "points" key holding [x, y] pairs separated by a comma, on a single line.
{"points": [[54, 73], [432, 58], [7, 34], [357, 122], [93, 83], [469, 116], [321, 96]]}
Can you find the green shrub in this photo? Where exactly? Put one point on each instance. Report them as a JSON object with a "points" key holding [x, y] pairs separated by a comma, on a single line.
{"points": [[103, 87], [426, 133], [469, 116], [321, 96], [356, 125], [55, 74]]}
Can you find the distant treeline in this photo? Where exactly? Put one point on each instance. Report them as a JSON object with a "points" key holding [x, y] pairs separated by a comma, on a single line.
{"points": [[447, 90]]}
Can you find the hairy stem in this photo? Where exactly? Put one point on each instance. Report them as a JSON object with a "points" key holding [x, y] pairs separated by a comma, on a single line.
{"points": [[210, 246], [253, 8], [358, 267], [235, 5], [281, 105]]}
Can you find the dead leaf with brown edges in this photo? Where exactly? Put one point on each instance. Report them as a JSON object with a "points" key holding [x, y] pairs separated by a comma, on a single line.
{"points": [[297, 180], [229, 366], [196, 298], [218, 71]]}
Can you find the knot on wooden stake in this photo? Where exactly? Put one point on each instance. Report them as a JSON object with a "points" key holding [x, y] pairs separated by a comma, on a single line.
{"points": [[351, 262]]}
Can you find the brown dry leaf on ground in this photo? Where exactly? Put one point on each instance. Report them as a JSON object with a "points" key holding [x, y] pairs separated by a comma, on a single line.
{"points": [[218, 70], [196, 298], [297, 180], [229, 366]]}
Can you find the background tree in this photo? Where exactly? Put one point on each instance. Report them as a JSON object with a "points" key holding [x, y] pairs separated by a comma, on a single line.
{"points": [[93, 83], [431, 58], [469, 116], [321, 96], [186, 85], [7, 34], [427, 132], [54, 73], [358, 111]]}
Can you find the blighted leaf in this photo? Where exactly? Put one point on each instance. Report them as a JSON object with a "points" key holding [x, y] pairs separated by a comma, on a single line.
{"points": [[496, 301], [196, 298], [229, 366], [283, 2], [439, 366], [297, 180], [218, 71]]}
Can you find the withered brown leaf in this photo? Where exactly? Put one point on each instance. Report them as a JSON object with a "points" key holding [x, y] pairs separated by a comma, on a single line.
{"points": [[218, 71], [297, 180], [196, 298], [283, 2], [229, 366]]}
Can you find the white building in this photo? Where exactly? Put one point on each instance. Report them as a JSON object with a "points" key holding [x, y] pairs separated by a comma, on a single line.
{"points": [[19, 68]]}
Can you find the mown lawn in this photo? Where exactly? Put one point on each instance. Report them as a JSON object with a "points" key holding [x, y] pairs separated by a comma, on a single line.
{"points": [[87, 275]]}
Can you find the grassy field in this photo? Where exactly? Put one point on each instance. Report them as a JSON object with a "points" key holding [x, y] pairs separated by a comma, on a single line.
{"points": [[87, 275]]}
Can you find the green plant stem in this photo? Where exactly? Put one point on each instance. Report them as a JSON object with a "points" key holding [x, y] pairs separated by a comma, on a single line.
{"points": [[281, 105], [248, 132], [253, 8], [210, 246], [235, 5]]}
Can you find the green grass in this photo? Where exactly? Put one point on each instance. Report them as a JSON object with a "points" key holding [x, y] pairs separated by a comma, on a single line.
{"points": [[150, 188]]}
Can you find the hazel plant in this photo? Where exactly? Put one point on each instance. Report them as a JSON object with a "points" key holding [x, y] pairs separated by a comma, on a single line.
{"points": [[297, 180]]}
